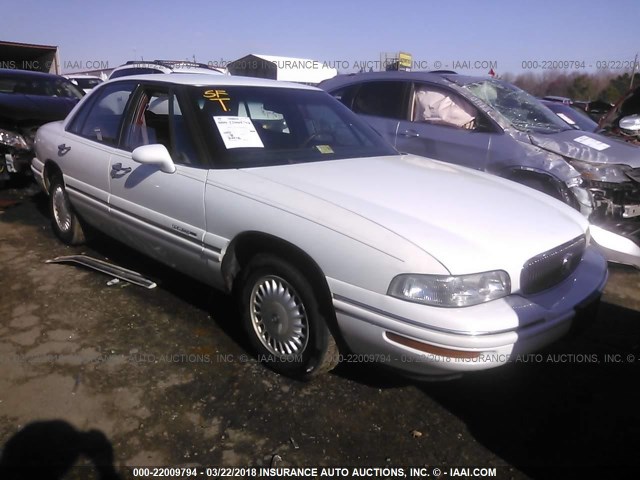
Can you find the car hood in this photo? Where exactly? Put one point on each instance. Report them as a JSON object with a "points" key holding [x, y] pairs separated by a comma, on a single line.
{"points": [[467, 220], [34, 109], [588, 147]]}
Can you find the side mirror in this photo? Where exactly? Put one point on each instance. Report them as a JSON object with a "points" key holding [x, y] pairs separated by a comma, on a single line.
{"points": [[630, 124], [155, 154]]}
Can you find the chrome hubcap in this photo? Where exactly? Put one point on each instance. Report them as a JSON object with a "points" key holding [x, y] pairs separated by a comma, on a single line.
{"points": [[61, 212], [278, 316]]}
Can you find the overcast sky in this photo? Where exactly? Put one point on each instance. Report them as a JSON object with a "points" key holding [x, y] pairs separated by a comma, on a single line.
{"points": [[462, 35]]}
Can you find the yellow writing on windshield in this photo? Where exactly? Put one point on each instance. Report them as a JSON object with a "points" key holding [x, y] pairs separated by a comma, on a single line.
{"points": [[219, 96]]}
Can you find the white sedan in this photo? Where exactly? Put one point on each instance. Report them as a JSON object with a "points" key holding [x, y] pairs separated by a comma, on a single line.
{"points": [[336, 246]]}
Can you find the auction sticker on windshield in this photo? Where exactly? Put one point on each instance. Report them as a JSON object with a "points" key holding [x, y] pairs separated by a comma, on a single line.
{"points": [[238, 132], [324, 148]]}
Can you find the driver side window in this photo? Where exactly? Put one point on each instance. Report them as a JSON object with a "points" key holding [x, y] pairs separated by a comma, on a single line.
{"points": [[442, 107], [158, 119]]}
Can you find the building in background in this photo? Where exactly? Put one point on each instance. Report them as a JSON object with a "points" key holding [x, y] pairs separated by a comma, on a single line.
{"points": [[396, 61], [26, 56], [300, 70]]}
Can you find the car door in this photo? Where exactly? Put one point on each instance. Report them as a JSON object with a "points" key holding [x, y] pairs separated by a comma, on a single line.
{"points": [[443, 125], [158, 212], [85, 150], [382, 104]]}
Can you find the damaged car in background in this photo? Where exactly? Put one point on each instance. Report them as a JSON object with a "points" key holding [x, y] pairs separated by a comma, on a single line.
{"points": [[623, 120], [329, 239], [573, 116], [493, 126], [27, 101]]}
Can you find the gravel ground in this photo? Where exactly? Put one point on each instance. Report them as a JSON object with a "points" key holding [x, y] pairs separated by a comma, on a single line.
{"points": [[165, 375]]}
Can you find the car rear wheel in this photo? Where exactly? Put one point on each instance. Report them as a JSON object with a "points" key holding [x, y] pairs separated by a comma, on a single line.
{"points": [[64, 221], [283, 319]]}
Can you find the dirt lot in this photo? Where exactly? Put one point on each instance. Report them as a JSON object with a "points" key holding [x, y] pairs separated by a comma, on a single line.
{"points": [[166, 376]]}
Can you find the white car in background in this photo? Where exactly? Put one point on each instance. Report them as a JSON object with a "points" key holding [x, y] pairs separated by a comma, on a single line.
{"points": [[85, 82], [333, 242], [142, 67]]}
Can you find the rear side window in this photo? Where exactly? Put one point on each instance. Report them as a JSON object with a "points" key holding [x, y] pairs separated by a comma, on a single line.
{"points": [[345, 94], [382, 99], [101, 120]]}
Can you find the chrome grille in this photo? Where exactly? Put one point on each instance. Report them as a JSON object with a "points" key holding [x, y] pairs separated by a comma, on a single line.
{"points": [[549, 268]]}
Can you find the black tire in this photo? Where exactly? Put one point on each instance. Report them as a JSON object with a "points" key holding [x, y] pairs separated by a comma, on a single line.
{"points": [[282, 317], [64, 221]]}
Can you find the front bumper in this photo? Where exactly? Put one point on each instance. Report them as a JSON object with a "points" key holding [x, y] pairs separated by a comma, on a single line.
{"points": [[416, 340], [14, 162], [618, 242], [37, 169], [615, 221], [616, 200]]}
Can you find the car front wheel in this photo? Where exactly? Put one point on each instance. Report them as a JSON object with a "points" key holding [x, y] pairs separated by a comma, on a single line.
{"points": [[64, 220], [283, 319]]}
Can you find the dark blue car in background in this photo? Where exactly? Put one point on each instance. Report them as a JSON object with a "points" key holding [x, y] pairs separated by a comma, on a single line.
{"points": [[27, 101], [574, 116]]}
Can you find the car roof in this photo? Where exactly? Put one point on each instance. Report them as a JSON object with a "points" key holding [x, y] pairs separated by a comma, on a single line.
{"points": [[12, 72], [81, 76], [168, 66], [438, 77], [204, 79], [555, 104], [557, 99]]}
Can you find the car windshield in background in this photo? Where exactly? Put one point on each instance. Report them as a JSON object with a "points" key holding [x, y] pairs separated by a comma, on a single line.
{"points": [[87, 82], [261, 126], [523, 111], [573, 116], [40, 86]]}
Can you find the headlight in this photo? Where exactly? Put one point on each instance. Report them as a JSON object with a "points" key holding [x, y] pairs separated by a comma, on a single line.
{"points": [[602, 172], [451, 290], [12, 139]]}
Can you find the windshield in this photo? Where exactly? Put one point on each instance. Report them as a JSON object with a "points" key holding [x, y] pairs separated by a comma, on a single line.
{"points": [[41, 86], [573, 116], [88, 82], [261, 126], [517, 107]]}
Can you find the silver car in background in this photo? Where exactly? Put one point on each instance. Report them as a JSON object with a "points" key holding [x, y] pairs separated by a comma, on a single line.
{"points": [[493, 126]]}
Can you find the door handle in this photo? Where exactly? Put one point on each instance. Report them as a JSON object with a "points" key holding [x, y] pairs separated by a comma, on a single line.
{"points": [[63, 149], [410, 133], [117, 168]]}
